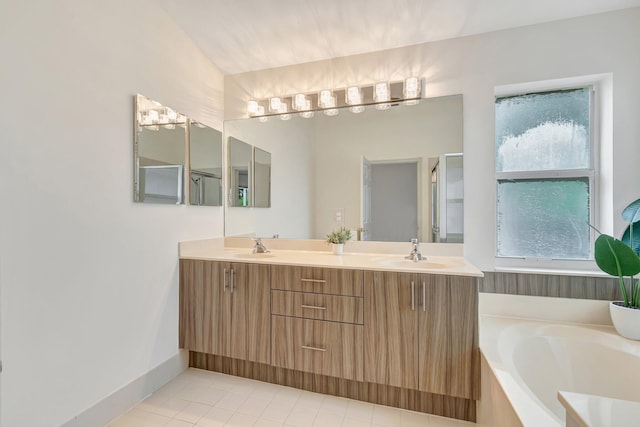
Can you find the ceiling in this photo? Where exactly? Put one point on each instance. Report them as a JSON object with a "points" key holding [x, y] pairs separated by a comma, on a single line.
{"points": [[249, 35]]}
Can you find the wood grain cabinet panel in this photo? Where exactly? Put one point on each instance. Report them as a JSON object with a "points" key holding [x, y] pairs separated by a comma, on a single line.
{"points": [[421, 332], [321, 347], [332, 281], [391, 329], [337, 308], [202, 307], [448, 344], [225, 309]]}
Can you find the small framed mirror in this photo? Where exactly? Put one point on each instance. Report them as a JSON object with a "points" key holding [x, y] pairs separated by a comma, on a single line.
{"points": [[261, 178], [205, 163], [240, 173], [159, 153]]}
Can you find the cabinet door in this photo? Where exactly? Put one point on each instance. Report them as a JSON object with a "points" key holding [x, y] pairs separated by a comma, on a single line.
{"points": [[391, 325], [250, 319], [202, 306], [317, 346], [449, 354]]}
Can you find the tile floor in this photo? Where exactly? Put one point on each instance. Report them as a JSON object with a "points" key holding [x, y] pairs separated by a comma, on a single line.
{"points": [[199, 398]]}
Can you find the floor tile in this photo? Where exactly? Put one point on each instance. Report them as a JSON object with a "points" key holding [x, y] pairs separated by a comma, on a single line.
{"points": [[267, 423], [301, 417], [414, 419], [178, 423], [138, 418], [215, 417], [241, 420], [198, 398], [161, 405], [193, 412], [385, 416], [327, 419], [360, 411]]}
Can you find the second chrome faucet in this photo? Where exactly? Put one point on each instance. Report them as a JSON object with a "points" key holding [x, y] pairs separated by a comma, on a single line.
{"points": [[415, 254], [259, 248]]}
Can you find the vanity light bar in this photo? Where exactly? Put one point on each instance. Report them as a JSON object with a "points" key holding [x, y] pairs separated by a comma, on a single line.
{"points": [[382, 95]]}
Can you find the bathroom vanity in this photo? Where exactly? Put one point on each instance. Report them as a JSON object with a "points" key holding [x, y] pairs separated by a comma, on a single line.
{"points": [[372, 327]]}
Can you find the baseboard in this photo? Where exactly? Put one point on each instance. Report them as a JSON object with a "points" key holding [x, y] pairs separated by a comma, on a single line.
{"points": [[121, 400]]}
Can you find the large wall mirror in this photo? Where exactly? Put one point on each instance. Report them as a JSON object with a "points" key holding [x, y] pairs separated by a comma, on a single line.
{"points": [[163, 137], [205, 161], [389, 175]]}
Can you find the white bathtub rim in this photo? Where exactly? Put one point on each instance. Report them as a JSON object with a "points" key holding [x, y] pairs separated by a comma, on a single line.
{"points": [[527, 406]]}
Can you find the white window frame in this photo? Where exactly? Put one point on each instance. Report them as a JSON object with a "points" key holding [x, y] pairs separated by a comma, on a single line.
{"points": [[515, 263]]}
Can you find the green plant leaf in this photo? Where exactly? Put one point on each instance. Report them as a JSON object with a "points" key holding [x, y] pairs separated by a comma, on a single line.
{"points": [[615, 258], [632, 212], [636, 237]]}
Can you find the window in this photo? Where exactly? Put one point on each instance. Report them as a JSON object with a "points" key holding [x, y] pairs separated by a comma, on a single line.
{"points": [[545, 174]]}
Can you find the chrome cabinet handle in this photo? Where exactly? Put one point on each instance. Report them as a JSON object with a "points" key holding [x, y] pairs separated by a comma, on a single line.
{"points": [[314, 307], [232, 280], [313, 280], [424, 297], [308, 347], [224, 280], [413, 296]]}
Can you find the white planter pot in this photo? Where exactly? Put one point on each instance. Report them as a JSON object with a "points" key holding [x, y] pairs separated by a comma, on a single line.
{"points": [[626, 320], [338, 248]]}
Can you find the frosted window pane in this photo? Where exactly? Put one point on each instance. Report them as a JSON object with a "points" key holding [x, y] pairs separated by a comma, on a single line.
{"points": [[543, 131], [544, 218]]}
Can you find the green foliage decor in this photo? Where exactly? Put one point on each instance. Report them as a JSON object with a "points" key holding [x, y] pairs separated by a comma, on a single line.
{"points": [[621, 258], [339, 236]]}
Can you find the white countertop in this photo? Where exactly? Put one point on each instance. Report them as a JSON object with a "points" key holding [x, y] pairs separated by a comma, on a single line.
{"points": [[448, 265]]}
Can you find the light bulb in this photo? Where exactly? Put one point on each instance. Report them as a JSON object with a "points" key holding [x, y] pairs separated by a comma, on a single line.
{"points": [[252, 107], [300, 102], [411, 87], [307, 114], [331, 112], [326, 99], [353, 95], [381, 92], [275, 104], [357, 109]]}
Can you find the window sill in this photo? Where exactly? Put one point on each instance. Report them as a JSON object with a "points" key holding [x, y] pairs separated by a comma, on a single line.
{"points": [[547, 266]]}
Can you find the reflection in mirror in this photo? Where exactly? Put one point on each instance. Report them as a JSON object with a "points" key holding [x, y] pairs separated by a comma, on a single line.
{"points": [[239, 173], [261, 178], [205, 162], [370, 172], [159, 152]]}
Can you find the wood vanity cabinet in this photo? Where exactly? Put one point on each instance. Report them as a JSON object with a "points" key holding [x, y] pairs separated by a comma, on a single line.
{"points": [[421, 332], [317, 316], [225, 309]]}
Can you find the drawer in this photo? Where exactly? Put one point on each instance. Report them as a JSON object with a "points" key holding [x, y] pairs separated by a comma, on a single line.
{"points": [[337, 308], [334, 281], [317, 346]]}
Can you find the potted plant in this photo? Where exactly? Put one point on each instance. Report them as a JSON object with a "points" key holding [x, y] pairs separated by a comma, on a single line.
{"points": [[621, 258], [338, 238]]}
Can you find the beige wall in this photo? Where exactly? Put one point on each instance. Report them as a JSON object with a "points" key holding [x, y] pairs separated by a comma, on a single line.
{"points": [[474, 66]]}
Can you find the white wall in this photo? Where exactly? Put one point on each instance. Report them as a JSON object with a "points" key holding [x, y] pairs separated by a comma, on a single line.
{"points": [[88, 279], [473, 66]]}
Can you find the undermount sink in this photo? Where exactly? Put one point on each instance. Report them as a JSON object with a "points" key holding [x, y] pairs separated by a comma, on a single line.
{"points": [[252, 255], [407, 263]]}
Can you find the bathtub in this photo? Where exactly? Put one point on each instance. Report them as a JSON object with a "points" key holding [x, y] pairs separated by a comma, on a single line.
{"points": [[531, 361]]}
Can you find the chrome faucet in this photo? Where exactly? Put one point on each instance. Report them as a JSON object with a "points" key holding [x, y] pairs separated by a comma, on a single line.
{"points": [[259, 248], [415, 254]]}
